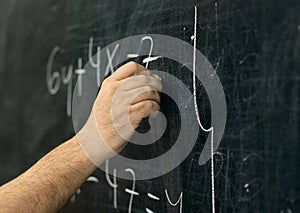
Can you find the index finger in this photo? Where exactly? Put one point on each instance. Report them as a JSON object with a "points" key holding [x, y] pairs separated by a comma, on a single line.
{"points": [[127, 70]]}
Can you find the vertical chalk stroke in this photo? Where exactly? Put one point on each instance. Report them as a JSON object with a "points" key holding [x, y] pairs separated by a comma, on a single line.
{"points": [[113, 185], [211, 129], [226, 179], [66, 78], [110, 57], [98, 62], [80, 71], [150, 50], [131, 191]]}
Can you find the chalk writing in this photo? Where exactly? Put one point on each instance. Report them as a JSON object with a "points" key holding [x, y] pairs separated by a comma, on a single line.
{"points": [[97, 63], [110, 57], [149, 58], [80, 71], [133, 192], [177, 202], [67, 80], [211, 129], [113, 185], [52, 78]]}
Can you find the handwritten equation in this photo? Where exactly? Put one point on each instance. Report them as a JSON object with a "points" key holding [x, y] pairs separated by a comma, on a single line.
{"points": [[56, 78], [132, 191]]}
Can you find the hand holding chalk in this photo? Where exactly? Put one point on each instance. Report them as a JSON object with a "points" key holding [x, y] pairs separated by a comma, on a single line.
{"points": [[125, 98]]}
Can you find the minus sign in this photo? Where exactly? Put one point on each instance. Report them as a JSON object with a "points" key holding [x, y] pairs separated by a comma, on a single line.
{"points": [[132, 55], [131, 192], [80, 71], [149, 211], [152, 196], [93, 179], [149, 59]]}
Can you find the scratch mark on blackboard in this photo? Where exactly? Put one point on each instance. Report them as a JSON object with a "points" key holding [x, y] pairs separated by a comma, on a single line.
{"points": [[249, 156], [222, 163], [189, 171], [252, 188], [217, 33], [255, 55], [226, 179], [286, 211]]}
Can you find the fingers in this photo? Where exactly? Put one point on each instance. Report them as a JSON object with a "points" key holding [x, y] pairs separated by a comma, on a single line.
{"points": [[142, 110], [140, 80], [145, 93], [136, 88], [127, 70]]}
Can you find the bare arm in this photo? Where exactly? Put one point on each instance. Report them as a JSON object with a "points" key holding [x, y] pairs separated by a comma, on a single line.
{"points": [[49, 184]]}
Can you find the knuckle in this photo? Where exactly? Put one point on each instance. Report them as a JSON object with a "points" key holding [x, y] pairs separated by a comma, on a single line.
{"points": [[106, 81], [142, 78], [152, 105], [158, 97], [153, 93], [133, 64], [150, 94], [158, 107], [115, 85], [114, 89], [147, 105], [148, 88], [160, 88], [111, 87], [145, 79]]}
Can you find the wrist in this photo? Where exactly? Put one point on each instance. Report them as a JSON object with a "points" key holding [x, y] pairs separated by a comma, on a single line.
{"points": [[92, 143]]}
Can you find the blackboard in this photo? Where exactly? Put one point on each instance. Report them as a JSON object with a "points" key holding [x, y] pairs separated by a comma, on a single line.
{"points": [[254, 47]]}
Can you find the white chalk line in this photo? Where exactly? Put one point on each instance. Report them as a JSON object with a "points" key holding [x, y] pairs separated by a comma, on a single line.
{"points": [[211, 129]]}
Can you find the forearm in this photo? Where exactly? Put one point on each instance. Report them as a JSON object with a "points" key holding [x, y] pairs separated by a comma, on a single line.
{"points": [[54, 178], [49, 184]]}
